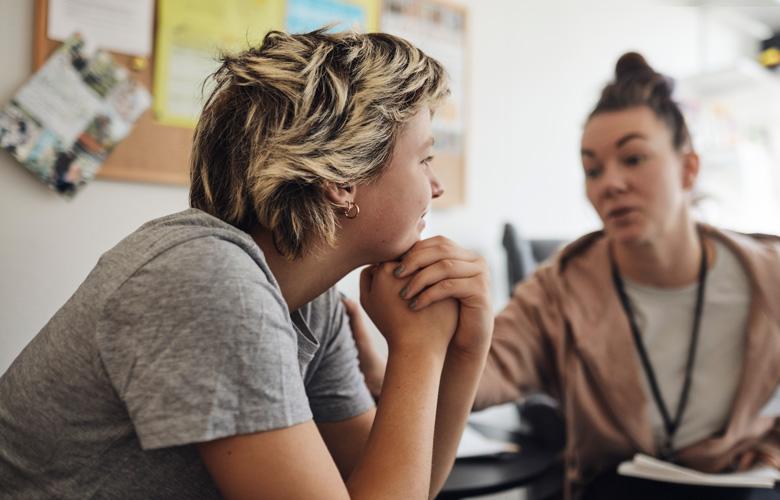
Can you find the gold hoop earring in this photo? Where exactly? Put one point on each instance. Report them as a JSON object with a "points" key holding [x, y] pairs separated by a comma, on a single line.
{"points": [[351, 210]]}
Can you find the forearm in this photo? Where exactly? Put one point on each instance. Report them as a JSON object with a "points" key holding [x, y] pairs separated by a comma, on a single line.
{"points": [[516, 363], [396, 462], [459, 380]]}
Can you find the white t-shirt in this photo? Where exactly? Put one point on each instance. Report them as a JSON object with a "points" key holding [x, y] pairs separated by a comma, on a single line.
{"points": [[665, 318]]}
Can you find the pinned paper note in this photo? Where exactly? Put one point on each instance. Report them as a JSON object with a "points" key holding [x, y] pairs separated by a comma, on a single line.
{"points": [[115, 25], [66, 119]]}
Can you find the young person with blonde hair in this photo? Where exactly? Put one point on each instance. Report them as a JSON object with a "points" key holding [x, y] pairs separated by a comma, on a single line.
{"points": [[657, 334], [208, 353]]}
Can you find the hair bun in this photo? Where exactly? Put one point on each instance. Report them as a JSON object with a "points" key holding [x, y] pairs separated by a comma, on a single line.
{"points": [[631, 65]]}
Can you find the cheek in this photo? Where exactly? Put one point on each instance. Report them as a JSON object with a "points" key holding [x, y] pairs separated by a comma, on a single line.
{"points": [[591, 194]]}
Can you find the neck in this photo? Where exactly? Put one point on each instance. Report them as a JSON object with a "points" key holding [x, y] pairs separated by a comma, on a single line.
{"points": [[306, 278], [671, 261]]}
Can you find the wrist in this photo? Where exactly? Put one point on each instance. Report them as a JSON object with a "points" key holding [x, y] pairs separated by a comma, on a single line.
{"points": [[416, 352], [474, 351]]}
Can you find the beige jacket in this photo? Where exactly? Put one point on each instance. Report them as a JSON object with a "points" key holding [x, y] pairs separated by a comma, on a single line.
{"points": [[565, 332]]}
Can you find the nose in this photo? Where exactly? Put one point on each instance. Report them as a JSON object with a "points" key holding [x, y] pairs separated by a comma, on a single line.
{"points": [[613, 182], [436, 188]]}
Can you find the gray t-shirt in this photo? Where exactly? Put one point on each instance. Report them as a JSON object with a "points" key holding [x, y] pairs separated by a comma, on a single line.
{"points": [[179, 335]]}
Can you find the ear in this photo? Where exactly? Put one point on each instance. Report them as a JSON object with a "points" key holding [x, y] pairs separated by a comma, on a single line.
{"points": [[339, 194], [690, 169]]}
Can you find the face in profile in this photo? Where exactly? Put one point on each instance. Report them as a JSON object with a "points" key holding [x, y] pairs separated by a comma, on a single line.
{"points": [[392, 207], [636, 180]]}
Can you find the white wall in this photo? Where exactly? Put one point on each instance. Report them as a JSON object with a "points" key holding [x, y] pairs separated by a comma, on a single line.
{"points": [[536, 68], [49, 244]]}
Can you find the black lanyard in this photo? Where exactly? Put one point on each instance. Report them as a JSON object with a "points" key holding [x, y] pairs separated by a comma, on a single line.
{"points": [[671, 425]]}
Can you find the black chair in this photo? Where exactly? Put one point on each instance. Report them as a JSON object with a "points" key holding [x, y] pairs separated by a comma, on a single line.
{"points": [[539, 412], [523, 255]]}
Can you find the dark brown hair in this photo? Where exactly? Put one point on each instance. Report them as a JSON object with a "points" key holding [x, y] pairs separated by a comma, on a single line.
{"points": [[636, 83]]}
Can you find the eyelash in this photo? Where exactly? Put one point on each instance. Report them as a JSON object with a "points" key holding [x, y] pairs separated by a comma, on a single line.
{"points": [[631, 161], [592, 173], [427, 161], [634, 160]]}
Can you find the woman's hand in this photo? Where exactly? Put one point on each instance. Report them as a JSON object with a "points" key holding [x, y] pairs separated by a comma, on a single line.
{"points": [[404, 327], [754, 458], [438, 270]]}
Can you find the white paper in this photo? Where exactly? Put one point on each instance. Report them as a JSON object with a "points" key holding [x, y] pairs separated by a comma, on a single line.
{"points": [[647, 467], [59, 98], [504, 417], [772, 408], [123, 26], [64, 122], [474, 444]]}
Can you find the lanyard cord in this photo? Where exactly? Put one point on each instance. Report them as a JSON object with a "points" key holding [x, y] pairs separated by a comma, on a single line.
{"points": [[671, 425]]}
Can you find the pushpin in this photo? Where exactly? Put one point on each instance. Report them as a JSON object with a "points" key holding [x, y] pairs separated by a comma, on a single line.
{"points": [[138, 63]]}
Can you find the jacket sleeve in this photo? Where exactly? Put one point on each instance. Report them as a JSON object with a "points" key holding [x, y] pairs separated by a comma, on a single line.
{"points": [[522, 352]]}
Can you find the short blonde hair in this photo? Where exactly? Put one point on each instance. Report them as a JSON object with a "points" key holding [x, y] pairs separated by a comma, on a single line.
{"points": [[299, 112]]}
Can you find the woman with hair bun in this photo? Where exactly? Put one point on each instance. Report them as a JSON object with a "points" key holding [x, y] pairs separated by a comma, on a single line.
{"points": [[208, 354], [657, 334]]}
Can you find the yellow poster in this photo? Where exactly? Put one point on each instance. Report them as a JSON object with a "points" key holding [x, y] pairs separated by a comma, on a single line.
{"points": [[190, 36], [192, 33]]}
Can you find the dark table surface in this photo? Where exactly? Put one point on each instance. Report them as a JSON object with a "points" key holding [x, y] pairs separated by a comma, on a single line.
{"points": [[491, 474]]}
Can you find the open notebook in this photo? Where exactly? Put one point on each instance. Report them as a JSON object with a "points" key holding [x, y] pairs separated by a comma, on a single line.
{"points": [[647, 467]]}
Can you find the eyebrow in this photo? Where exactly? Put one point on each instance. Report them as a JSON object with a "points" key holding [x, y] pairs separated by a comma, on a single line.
{"points": [[628, 137], [620, 142], [429, 143]]}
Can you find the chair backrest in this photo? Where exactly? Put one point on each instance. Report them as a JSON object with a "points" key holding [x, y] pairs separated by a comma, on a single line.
{"points": [[523, 255]]}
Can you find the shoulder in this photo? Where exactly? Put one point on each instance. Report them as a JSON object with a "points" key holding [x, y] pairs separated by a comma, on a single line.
{"points": [[577, 278], [766, 246], [187, 261], [760, 256], [585, 257], [760, 253], [189, 247]]}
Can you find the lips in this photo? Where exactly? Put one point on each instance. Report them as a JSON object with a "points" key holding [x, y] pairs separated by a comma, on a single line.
{"points": [[619, 212]]}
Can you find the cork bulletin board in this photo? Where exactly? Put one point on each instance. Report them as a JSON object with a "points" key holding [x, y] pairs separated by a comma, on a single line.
{"points": [[152, 152]]}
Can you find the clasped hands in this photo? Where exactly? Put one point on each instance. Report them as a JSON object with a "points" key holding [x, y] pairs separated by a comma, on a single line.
{"points": [[436, 296]]}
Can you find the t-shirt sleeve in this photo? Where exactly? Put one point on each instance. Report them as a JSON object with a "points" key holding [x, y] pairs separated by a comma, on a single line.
{"points": [[337, 390], [198, 345]]}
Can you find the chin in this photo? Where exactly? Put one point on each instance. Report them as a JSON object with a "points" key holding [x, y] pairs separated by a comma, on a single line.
{"points": [[394, 250], [626, 235]]}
